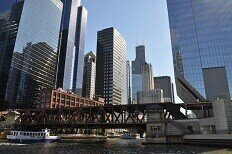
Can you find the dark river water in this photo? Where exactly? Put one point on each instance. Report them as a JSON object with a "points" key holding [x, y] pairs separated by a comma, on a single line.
{"points": [[111, 146]]}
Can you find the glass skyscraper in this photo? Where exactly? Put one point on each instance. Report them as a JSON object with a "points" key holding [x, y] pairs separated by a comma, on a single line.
{"points": [[72, 43], [128, 82], [30, 54], [80, 49], [10, 13], [136, 71], [201, 35], [111, 67]]}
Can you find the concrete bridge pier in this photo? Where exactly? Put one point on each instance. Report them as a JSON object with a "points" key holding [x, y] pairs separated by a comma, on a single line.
{"points": [[156, 127]]}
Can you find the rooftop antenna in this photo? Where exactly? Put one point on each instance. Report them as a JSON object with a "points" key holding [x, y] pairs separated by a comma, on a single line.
{"points": [[142, 42], [137, 40]]}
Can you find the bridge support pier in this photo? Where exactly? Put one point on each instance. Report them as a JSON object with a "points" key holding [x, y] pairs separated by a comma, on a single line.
{"points": [[156, 128]]}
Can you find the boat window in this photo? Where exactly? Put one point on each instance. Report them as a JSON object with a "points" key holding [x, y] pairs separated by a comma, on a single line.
{"points": [[24, 134]]}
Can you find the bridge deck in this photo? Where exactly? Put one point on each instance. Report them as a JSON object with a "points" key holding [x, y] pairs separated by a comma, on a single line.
{"points": [[108, 116]]}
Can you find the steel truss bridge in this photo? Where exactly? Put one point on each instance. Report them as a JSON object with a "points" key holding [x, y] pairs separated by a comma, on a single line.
{"points": [[132, 116]]}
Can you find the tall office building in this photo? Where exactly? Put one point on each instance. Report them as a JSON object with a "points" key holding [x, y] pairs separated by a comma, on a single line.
{"points": [[128, 82], [72, 43], [165, 83], [136, 71], [111, 67], [89, 75], [80, 49], [29, 57], [201, 45], [10, 13], [147, 77]]}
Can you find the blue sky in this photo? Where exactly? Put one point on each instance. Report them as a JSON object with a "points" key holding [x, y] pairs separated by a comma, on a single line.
{"points": [[139, 21]]}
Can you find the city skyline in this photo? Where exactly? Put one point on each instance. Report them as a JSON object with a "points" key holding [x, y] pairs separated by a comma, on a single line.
{"points": [[139, 51], [151, 31], [143, 21]]}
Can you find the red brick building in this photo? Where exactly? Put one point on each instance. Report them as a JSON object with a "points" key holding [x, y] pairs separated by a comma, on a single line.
{"points": [[57, 98]]}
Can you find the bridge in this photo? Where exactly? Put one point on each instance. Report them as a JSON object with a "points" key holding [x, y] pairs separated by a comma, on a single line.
{"points": [[134, 116]]}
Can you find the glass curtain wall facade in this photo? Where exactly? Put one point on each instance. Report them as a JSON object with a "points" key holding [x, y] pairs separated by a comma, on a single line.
{"points": [[34, 59], [128, 81], [201, 35], [67, 44], [10, 13], [80, 50], [72, 43], [111, 67], [136, 71]]}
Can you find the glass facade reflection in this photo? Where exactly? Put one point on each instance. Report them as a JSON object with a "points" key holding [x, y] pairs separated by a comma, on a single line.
{"points": [[201, 35], [72, 40], [67, 40], [136, 71], [128, 82], [34, 61], [136, 86], [80, 49], [10, 14]]}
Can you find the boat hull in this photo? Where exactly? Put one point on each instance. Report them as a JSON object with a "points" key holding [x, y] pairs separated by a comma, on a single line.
{"points": [[26, 141]]}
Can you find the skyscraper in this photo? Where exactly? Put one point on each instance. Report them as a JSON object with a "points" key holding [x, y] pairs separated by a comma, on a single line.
{"points": [[10, 13], [165, 83], [89, 75], [149, 94], [80, 49], [30, 55], [72, 43], [201, 46], [128, 82], [147, 77], [136, 71], [111, 66]]}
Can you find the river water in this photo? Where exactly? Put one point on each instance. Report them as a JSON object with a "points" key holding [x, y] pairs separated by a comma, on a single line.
{"points": [[111, 146]]}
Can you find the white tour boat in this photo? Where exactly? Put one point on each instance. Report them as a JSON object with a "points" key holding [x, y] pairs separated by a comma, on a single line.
{"points": [[31, 137]]}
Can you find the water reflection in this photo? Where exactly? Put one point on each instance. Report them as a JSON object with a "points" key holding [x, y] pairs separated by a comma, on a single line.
{"points": [[111, 146]]}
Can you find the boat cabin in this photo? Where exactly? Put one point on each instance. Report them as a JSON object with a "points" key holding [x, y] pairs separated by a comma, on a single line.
{"points": [[43, 133]]}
